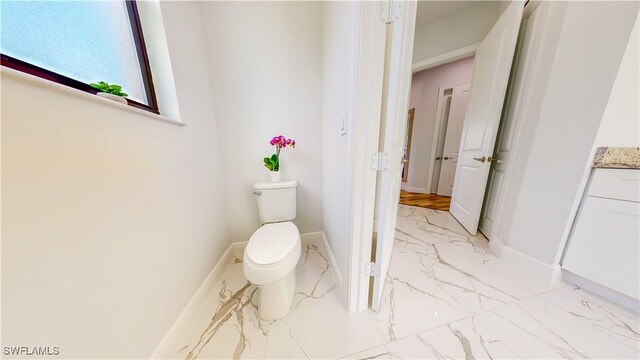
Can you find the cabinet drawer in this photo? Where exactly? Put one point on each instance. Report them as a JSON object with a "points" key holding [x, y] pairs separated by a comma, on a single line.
{"points": [[605, 244], [622, 184]]}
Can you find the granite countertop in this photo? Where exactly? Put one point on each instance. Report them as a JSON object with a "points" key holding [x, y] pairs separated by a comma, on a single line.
{"points": [[617, 158]]}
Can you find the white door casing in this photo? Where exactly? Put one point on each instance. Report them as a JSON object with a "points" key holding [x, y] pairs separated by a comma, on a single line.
{"points": [[439, 132], [395, 106], [491, 72], [459, 98], [365, 102]]}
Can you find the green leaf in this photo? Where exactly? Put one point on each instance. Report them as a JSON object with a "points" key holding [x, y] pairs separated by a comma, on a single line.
{"points": [[102, 86], [268, 164], [124, 94], [97, 86]]}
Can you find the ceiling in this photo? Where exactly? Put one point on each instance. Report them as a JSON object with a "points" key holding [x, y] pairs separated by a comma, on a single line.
{"points": [[432, 11]]}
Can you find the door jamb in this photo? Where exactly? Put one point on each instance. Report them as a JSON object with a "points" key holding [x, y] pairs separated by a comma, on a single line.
{"points": [[409, 131], [368, 44], [436, 131]]}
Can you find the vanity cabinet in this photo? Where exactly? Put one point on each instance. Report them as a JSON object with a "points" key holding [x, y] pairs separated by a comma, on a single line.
{"points": [[604, 246]]}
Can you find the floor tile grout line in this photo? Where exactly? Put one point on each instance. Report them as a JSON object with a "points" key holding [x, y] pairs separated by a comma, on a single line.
{"points": [[497, 337], [552, 303]]}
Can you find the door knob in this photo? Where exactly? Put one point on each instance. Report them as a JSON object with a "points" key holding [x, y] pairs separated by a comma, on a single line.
{"points": [[481, 159], [492, 159], [447, 158], [438, 158]]}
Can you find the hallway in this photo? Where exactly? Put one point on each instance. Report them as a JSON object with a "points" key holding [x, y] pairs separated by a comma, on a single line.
{"points": [[446, 296], [430, 201]]}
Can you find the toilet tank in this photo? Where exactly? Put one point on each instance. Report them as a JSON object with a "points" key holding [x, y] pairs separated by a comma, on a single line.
{"points": [[276, 200]]}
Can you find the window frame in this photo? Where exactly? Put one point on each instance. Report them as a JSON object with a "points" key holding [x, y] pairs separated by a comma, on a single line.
{"points": [[143, 60]]}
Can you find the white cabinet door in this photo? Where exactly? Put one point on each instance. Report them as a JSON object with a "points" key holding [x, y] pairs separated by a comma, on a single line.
{"points": [[605, 245], [621, 184]]}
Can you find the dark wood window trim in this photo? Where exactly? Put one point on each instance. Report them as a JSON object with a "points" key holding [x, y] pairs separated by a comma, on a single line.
{"points": [[143, 59]]}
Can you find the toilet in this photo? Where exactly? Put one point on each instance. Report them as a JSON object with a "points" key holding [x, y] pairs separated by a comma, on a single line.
{"points": [[273, 251]]}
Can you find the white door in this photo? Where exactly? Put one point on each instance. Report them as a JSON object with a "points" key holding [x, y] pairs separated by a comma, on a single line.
{"points": [[459, 97], [395, 103], [488, 88], [518, 97]]}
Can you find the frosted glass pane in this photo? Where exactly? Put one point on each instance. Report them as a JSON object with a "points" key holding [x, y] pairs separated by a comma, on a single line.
{"points": [[88, 41]]}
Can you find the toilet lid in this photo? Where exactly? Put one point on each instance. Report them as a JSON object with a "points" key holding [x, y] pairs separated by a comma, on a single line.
{"points": [[272, 242]]}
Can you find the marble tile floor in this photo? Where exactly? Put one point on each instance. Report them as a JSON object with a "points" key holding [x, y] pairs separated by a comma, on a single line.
{"points": [[446, 296]]}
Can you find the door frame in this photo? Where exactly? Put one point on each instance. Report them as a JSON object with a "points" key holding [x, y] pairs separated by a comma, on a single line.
{"points": [[412, 113], [368, 44], [436, 133]]}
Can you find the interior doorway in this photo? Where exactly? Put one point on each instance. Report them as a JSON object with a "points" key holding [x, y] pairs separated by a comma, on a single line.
{"points": [[494, 53], [438, 102], [447, 138], [406, 154]]}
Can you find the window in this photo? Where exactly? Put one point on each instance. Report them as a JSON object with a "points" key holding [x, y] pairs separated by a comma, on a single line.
{"points": [[79, 42]]}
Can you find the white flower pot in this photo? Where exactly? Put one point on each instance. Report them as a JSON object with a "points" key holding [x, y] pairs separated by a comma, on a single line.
{"points": [[112, 97], [275, 176]]}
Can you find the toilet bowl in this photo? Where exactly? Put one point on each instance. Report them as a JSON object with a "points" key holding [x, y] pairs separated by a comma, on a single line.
{"points": [[270, 260]]}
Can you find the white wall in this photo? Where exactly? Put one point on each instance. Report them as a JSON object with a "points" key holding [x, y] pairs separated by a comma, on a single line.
{"points": [[561, 124], [265, 60], [621, 120], [463, 28], [111, 219], [337, 68], [424, 98]]}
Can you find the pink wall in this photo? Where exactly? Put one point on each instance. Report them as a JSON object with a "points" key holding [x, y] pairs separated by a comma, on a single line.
{"points": [[424, 96]]}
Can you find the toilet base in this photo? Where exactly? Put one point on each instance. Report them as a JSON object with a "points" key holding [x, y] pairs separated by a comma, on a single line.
{"points": [[276, 298]]}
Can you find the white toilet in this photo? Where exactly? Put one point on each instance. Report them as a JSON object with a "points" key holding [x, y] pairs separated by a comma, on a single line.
{"points": [[273, 251]]}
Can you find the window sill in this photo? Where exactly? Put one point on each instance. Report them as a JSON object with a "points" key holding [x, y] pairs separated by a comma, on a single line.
{"points": [[78, 93]]}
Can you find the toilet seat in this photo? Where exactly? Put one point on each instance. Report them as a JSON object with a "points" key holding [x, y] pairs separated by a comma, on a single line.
{"points": [[272, 253], [272, 243]]}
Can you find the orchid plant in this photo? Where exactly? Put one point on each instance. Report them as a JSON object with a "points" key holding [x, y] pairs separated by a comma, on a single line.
{"points": [[280, 142]]}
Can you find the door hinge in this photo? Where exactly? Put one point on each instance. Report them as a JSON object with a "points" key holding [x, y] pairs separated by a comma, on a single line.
{"points": [[390, 11], [371, 269], [380, 161]]}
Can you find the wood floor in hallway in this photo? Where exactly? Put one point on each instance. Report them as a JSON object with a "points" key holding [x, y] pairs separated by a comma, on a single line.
{"points": [[430, 201]]}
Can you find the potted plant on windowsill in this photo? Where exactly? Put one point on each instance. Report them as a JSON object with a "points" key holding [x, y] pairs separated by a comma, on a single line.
{"points": [[112, 92], [273, 163]]}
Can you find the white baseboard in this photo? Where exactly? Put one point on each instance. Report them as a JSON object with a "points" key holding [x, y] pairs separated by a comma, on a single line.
{"points": [[214, 276], [418, 190], [235, 249], [496, 247], [306, 239], [334, 265], [614, 296], [551, 273]]}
